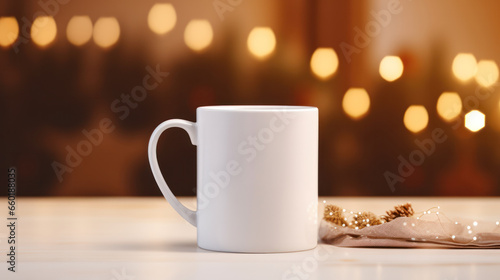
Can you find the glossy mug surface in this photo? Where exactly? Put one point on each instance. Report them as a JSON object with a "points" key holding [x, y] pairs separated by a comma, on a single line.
{"points": [[257, 177]]}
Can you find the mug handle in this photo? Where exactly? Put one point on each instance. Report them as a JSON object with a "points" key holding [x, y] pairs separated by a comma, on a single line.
{"points": [[190, 128]]}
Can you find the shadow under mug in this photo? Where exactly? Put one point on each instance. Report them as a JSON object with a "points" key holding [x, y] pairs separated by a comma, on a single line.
{"points": [[257, 177]]}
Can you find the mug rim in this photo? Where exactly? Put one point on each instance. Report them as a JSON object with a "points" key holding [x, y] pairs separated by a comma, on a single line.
{"points": [[257, 108]]}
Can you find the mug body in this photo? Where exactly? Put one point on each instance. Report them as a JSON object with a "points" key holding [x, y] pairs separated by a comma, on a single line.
{"points": [[257, 178]]}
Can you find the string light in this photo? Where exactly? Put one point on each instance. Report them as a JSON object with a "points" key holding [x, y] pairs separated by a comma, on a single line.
{"points": [[79, 30], [464, 66], [9, 31], [261, 42], [106, 32], [198, 34], [43, 30], [416, 118], [391, 68], [162, 18], [487, 73], [324, 63], [474, 120], [449, 106], [356, 103]]}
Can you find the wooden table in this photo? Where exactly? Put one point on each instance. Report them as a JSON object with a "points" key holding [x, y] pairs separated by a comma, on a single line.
{"points": [[143, 238]]}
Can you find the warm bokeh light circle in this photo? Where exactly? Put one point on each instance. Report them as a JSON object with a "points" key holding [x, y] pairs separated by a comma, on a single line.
{"points": [[464, 66], [356, 102], [416, 118], [261, 42], [9, 31], [162, 18], [324, 63], [487, 73], [106, 32], [79, 30], [475, 120], [198, 34], [449, 106], [391, 68], [43, 31]]}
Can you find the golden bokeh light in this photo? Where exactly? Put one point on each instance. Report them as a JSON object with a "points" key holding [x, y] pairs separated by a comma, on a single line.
{"points": [[475, 120], [464, 66], [391, 68], [487, 73], [356, 103], [162, 18], [79, 30], [449, 106], [261, 42], [43, 30], [9, 31], [324, 63], [106, 32], [198, 34], [416, 118]]}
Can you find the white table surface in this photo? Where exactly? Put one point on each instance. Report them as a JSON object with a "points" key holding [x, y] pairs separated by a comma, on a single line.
{"points": [[143, 238]]}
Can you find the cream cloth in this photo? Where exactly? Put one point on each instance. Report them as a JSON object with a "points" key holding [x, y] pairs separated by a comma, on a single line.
{"points": [[411, 232]]}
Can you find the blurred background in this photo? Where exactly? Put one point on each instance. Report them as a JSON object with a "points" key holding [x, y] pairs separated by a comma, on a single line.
{"points": [[407, 90]]}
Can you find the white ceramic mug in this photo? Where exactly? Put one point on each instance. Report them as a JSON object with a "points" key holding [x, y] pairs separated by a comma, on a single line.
{"points": [[257, 181]]}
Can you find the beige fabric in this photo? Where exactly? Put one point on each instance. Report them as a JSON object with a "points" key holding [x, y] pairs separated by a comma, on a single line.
{"points": [[415, 233]]}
